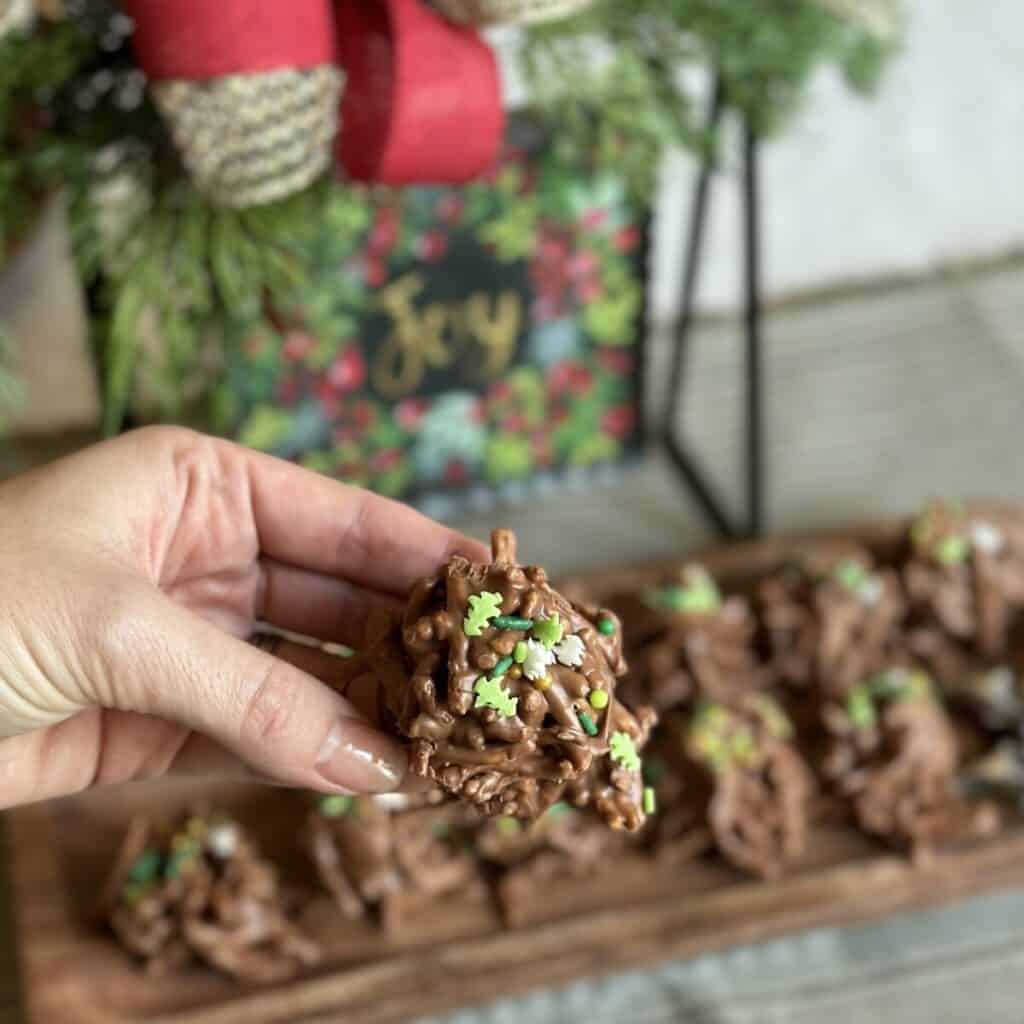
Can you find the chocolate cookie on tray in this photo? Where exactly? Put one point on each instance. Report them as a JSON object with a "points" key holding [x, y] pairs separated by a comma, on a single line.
{"points": [[200, 890]]}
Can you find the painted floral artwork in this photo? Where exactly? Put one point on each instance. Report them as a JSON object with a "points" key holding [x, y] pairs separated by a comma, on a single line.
{"points": [[456, 338]]}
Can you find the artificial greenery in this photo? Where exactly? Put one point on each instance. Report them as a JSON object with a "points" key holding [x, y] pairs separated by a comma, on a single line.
{"points": [[634, 65], [34, 155], [165, 274], [185, 266]]}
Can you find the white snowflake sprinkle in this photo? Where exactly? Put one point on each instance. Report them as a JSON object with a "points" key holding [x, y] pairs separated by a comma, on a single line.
{"points": [[538, 658], [570, 651], [986, 537], [222, 840], [998, 688], [871, 591], [392, 801]]}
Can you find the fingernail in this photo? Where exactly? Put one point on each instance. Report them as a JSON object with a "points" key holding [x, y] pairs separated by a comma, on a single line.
{"points": [[361, 759]]}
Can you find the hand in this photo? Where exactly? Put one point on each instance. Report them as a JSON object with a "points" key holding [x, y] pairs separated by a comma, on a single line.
{"points": [[130, 575]]}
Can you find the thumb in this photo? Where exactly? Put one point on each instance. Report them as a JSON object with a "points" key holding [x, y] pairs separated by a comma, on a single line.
{"points": [[167, 661]]}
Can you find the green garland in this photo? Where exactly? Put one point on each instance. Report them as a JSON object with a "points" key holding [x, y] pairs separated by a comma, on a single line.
{"points": [[189, 266], [764, 52], [34, 157], [163, 284]]}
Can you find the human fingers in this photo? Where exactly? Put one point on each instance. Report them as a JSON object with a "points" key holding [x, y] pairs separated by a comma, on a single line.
{"points": [[315, 604], [160, 659]]}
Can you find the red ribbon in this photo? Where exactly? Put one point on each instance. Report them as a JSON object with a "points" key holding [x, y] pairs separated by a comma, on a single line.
{"points": [[200, 39], [422, 96]]}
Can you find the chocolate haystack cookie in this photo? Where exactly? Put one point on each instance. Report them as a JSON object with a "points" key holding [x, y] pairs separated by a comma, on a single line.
{"points": [[894, 756], [351, 844], [201, 891], [506, 692], [390, 853], [565, 842], [724, 766], [751, 785], [964, 578], [679, 831], [687, 643], [830, 618]]}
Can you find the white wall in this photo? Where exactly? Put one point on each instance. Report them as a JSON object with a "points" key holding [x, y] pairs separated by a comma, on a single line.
{"points": [[929, 172]]}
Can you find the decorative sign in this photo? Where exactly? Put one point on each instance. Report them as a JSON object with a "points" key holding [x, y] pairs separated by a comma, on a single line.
{"points": [[459, 341], [463, 322]]}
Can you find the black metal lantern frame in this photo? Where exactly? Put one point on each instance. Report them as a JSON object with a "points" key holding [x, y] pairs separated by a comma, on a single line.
{"points": [[751, 521]]}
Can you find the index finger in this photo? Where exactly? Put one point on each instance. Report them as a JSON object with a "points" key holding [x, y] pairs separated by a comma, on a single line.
{"points": [[318, 523]]}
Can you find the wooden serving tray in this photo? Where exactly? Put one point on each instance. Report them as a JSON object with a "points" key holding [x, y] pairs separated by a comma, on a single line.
{"points": [[648, 912]]}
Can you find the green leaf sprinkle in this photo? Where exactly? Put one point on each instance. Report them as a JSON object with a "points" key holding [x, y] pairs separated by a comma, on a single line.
{"points": [[519, 654], [491, 694], [718, 758], [742, 747], [860, 708], [901, 684], [920, 685], [336, 805], [623, 751], [482, 608], [548, 631], [850, 575], [699, 596], [702, 599], [509, 826], [181, 859], [711, 739], [952, 550], [710, 716], [669, 597]]}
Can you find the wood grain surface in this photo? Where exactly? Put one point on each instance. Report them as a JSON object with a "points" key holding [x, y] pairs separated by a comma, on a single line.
{"points": [[647, 913]]}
